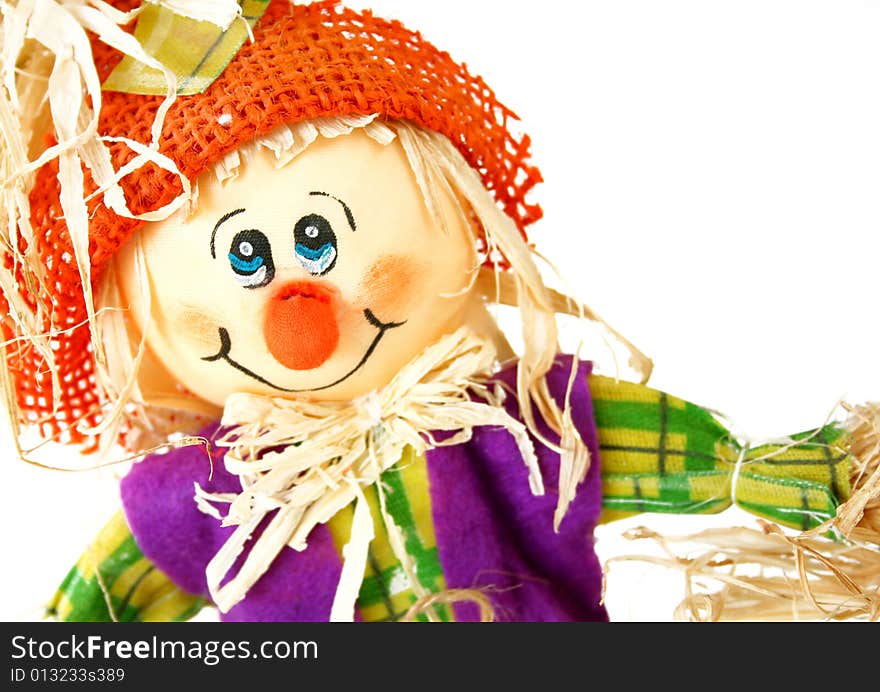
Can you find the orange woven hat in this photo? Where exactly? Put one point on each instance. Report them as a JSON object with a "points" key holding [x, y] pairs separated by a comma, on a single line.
{"points": [[306, 61]]}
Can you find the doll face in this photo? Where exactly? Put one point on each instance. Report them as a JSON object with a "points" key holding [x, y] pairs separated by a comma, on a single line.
{"points": [[320, 279]]}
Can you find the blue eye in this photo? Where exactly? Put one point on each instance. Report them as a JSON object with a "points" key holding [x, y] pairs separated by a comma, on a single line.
{"points": [[251, 260], [316, 246]]}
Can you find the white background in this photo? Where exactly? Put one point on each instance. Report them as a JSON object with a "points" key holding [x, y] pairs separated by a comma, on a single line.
{"points": [[712, 186]]}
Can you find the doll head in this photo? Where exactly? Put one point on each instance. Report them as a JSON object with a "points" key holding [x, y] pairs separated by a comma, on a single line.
{"points": [[317, 277], [319, 270]]}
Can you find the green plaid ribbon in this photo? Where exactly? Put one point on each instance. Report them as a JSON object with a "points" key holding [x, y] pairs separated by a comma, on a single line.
{"points": [[661, 454], [196, 52]]}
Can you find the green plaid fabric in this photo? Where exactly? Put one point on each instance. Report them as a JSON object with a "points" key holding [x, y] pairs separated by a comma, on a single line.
{"points": [[114, 574], [197, 61], [386, 594], [661, 454]]}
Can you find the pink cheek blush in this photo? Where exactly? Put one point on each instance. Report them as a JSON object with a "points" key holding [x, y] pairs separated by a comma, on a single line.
{"points": [[388, 286], [194, 325]]}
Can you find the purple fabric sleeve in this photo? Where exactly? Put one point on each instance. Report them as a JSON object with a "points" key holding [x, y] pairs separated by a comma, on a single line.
{"points": [[157, 497], [493, 534]]}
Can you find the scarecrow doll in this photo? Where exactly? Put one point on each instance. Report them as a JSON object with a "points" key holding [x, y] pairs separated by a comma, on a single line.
{"points": [[260, 259]]}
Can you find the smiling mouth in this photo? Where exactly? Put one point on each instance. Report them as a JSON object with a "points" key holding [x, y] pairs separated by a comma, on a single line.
{"points": [[226, 349]]}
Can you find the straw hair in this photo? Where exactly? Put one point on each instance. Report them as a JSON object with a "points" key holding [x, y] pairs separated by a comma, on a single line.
{"points": [[859, 518], [50, 86], [440, 169]]}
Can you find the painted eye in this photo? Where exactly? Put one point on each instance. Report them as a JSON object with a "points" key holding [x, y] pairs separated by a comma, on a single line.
{"points": [[251, 260], [316, 247]]}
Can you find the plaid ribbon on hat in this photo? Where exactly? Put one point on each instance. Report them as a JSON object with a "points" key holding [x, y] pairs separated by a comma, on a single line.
{"points": [[196, 52]]}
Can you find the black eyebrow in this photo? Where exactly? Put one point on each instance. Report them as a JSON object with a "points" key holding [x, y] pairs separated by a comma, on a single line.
{"points": [[348, 214], [226, 218]]}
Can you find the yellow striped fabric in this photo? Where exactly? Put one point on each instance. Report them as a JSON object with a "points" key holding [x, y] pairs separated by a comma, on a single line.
{"points": [[386, 593], [114, 581], [196, 61]]}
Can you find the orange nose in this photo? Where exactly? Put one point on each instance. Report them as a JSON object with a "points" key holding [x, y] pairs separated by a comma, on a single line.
{"points": [[300, 328]]}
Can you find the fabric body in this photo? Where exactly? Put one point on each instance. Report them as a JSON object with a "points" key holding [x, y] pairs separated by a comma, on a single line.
{"points": [[467, 514]]}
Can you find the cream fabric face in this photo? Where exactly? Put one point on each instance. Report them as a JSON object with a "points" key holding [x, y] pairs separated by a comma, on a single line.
{"points": [[345, 221]]}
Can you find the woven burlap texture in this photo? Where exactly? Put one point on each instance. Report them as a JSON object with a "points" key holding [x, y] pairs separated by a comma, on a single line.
{"points": [[306, 61]]}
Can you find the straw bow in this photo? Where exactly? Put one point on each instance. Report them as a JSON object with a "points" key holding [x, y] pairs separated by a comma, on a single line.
{"points": [[301, 462]]}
